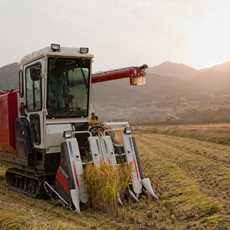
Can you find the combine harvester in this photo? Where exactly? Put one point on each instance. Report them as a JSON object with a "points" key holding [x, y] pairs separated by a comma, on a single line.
{"points": [[45, 135]]}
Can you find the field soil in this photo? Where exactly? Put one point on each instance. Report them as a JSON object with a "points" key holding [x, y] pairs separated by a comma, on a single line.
{"points": [[190, 177]]}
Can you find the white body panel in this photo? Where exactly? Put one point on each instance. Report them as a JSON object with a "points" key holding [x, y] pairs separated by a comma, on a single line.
{"points": [[117, 124], [77, 170], [108, 152], [64, 52], [130, 154], [96, 151], [54, 136], [42, 112]]}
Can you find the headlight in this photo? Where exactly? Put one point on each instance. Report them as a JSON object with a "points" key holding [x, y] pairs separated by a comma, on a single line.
{"points": [[128, 130], [67, 134]]}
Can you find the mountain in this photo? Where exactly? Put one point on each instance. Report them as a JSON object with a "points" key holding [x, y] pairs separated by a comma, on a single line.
{"points": [[214, 77], [224, 67], [173, 69], [118, 100], [9, 76], [180, 70], [170, 88], [156, 88], [213, 80]]}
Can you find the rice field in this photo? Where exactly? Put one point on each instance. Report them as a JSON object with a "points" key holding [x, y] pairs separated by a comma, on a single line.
{"points": [[191, 177], [215, 133]]}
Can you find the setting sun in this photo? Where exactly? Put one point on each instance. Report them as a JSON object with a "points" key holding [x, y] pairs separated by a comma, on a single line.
{"points": [[211, 39]]}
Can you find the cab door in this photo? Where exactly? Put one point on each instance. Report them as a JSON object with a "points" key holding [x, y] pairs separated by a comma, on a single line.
{"points": [[34, 101]]}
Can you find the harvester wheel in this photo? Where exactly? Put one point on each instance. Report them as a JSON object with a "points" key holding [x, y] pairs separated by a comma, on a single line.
{"points": [[20, 183], [24, 185], [16, 182]]}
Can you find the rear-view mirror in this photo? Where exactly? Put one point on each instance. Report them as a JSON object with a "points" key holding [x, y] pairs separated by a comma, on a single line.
{"points": [[35, 72]]}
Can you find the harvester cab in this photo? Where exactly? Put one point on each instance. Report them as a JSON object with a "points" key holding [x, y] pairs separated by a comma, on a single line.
{"points": [[47, 138]]}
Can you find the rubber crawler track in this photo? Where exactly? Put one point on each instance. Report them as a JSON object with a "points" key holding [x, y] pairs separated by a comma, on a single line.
{"points": [[25, 182]]}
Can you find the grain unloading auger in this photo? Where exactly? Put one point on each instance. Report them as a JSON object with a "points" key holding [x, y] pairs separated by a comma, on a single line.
{"points": [[46, 136]]}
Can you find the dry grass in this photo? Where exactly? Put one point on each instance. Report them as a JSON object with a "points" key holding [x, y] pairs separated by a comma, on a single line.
{"points": [[192, 186], [184, 194], [190, 177], [19, 216], [2, 172], [216, 133]]}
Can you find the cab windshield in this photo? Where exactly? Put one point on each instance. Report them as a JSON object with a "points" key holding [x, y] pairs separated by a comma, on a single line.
{"points": [[68, 88]]}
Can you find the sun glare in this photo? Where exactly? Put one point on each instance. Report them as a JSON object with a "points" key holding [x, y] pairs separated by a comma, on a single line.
{"points": [[211, 43]]}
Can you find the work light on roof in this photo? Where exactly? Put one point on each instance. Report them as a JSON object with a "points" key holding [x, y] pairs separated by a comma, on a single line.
{"points": [[55, 47], [84, 50]]}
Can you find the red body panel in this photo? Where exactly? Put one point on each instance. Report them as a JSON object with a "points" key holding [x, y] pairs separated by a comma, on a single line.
{"points": [[8, 114], [130, 72], [63, 181]]}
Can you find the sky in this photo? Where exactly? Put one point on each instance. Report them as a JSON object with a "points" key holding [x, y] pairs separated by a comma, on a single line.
{"points": [[120, 33]]}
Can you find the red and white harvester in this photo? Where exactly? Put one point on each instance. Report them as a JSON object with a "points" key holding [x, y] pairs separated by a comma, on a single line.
{"points": [[45, 126]]}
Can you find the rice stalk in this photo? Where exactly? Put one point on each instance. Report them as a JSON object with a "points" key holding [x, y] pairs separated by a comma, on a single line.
{"points": [[105, 182]]}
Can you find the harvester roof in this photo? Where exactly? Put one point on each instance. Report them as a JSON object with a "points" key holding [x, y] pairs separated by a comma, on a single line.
{"points": [[63, 52]]}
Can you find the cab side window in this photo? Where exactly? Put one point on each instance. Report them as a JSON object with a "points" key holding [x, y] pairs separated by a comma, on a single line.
{"points": [[21, 91], [33, 87], [35, 128]]}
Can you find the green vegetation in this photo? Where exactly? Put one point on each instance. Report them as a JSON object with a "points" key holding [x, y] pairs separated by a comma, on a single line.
{"points": [[220, 114]]}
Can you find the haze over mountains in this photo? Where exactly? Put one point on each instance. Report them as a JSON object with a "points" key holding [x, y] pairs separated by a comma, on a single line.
{"points": [[175, 70], [214, 78], [171, 88]]}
